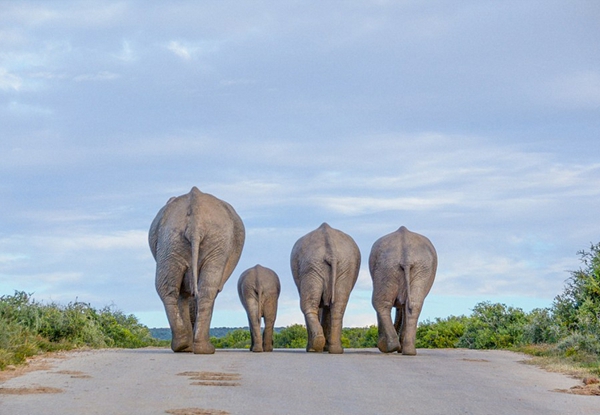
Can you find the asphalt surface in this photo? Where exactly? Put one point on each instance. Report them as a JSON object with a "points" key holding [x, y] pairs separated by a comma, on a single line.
{"points": [[157, 381]]}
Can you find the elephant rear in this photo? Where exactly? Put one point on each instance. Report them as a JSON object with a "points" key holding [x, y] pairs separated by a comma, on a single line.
{"points": [[258, 289], [325, 265], [402, 266], [196, 240]]}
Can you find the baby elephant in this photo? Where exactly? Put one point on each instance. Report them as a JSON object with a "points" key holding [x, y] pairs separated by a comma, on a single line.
{"points": [[259, 289], [402, 266]]}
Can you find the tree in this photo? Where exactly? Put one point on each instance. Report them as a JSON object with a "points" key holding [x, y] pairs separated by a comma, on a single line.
{"points": [[577, 309]]}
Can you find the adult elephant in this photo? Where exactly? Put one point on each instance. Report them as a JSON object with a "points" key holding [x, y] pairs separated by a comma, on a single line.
{"points": [[402, 266], [325, 265], [259, 288], [196, 240]]}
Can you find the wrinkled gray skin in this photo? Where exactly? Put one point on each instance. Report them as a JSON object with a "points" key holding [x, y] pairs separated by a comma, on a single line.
{"points": [[402, 266], [259, 289], [325, 265], [196, 240]]}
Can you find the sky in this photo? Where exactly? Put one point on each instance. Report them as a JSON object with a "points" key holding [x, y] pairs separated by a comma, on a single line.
{"points": [[474, 123]]}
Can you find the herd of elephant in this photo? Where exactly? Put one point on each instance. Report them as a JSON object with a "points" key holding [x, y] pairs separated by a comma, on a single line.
{"points": [[197, 240]]}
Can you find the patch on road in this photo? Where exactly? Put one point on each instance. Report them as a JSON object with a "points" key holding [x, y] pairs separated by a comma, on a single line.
{"points": [[75, 374], [212, 378], [34, 390], [196, 411]]}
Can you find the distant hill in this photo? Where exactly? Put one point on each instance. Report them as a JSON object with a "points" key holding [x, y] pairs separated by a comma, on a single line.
{"points": [[165, 333]]}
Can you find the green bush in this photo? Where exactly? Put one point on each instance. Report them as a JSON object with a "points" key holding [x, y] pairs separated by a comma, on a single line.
{"points": [[28, 327], [359, 337], [494, 326], [541, 327], [441, 333], [236, 339], [291, 337]]}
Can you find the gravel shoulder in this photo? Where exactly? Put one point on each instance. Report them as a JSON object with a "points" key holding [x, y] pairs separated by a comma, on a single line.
{"points": [[157, 381]]}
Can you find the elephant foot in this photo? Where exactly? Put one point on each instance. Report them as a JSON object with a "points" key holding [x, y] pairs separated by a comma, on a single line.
{"points": [[204, 348], [268, 348], [181, 345], [386, 346], [408, 350], [336, 349], [256, 349], [317, 345]]}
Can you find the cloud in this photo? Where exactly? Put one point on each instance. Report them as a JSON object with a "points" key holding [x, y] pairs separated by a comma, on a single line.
{"points": [[7, 258], [119, 240], [77, 15], [179, 50], [100, 76], [127, 53], [194, 49], [9, 81], [362, 205], [26, 110]]}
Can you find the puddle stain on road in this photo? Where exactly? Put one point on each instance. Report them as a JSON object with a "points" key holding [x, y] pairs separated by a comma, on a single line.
{"points": [[212, 378], [75, 374], [33, 390], [196, 411]]}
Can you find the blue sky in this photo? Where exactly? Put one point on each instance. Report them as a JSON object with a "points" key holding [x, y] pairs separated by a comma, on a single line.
{"points": [[475, 123]]}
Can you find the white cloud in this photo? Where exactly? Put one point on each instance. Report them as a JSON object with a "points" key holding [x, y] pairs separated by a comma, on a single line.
{"points": [[127, 53], [132, 239], [26, 110], [361, 205], [99, 76], [9, 81], [179, 50], [7, 258], [189, 50]]}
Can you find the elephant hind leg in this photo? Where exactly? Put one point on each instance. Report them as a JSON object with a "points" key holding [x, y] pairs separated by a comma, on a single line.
{"points": [[253, 310], [169, 276], [409, 329], [205, 304], [325, 313], [399, 324], [310, 299], [269, 314]]}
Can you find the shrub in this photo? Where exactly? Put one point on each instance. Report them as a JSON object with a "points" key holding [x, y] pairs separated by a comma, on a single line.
{"points": [[236, 339], [291, 337], [28, 328], [441, 333], [494, 326], [541, 327], [359, 337]]}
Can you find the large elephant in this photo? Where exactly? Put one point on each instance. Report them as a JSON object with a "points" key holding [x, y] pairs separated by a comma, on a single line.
{"points": [[196, 240], [402, 266], [259, 288], [325, 265]]}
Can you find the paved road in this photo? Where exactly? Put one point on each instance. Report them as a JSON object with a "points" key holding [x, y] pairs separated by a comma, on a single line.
{"points": [[157, 381]]}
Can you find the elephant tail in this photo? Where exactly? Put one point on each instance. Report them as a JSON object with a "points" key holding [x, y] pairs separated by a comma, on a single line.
{"points": [[329, 294], [406, 269], [195, 242], [260, 304], [194, 235]]}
